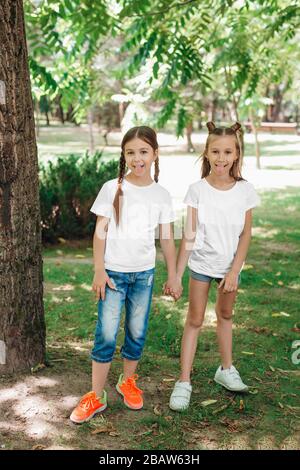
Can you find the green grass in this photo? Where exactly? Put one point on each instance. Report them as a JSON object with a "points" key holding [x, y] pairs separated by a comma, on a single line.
{"points": [[270, 285]]}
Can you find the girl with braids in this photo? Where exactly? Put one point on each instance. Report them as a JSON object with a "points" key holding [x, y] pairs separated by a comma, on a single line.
{"points": [[128, 209], [215, 245]]}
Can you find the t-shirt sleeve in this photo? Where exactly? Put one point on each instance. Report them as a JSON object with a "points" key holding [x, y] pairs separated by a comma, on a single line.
{"points": [[103, 204], [192, 197], [167, 213], [252, 198]]}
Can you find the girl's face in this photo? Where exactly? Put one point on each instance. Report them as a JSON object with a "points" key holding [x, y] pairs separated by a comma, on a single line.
{"points": [[139, 156], [222, 154]]}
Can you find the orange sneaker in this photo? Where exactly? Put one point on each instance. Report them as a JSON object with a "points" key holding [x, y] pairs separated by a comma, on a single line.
{"points": [[88, 406], [130, 392]]}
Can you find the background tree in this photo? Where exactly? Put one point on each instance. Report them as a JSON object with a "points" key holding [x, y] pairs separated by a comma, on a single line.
{"points": [[22, 326]]}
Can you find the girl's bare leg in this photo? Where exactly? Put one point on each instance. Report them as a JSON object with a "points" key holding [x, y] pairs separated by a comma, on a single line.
{"points": [[224, 308], [129, 368], [99, 375], [198, 294]]}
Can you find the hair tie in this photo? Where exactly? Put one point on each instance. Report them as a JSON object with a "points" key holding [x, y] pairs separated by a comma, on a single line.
{"points": [[235, 127], [210, 126]]}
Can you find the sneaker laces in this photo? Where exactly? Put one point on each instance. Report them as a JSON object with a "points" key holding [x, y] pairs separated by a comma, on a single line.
{"points": [[131, 385], [88, 401], [235, 374]]}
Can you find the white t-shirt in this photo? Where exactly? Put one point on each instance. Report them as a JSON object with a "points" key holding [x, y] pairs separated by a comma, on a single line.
{"points": [[130, 247], [221, 219]]}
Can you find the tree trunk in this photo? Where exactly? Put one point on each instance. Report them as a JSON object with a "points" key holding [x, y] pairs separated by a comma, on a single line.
{"points": [[37, 121], [47, 118], [254, 129], [60, 111], [22, 325], [91, 134], [189, 130]]}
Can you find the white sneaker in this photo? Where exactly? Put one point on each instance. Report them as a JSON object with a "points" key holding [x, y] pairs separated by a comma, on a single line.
{"points": [[230, 379], [180, 397]]}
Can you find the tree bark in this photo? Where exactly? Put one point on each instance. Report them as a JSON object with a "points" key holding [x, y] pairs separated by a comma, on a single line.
{"points": [[254, 130], [22, 325], [189, 129], [91, 134]]}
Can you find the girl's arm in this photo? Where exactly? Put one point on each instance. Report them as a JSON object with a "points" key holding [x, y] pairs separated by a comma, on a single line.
{"points": [[187, 242], [166, 237], [100, 277], [230, 281]]}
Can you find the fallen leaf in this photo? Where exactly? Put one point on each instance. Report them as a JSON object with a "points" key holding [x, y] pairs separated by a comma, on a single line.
{"points": [[79, 256], [169, 380], [280, 314], [146, 433], [296, 328], [218, 410], [114, 434], [249, 353], [37, 368], [280, 283], [232, 425], [278, 274], [242, 405], [64, 287], [38, 447], [272, 368], [157, 410], [253, 392], [208, 402], [268, 282], [293, 372], [102, 429], [168, 418], [259, 330], [280, 404], [247, 266]]}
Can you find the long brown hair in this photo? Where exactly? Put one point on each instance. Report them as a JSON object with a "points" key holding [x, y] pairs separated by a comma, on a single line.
{"points": [[147, 134], [234, 130]]}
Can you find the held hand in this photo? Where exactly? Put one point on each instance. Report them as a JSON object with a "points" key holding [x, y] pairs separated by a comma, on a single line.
{"points": [[173, 287], [101, 278], [229, 282]]}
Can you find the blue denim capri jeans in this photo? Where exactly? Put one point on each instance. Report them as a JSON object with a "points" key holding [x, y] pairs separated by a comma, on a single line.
{"points": [[134, 290]]}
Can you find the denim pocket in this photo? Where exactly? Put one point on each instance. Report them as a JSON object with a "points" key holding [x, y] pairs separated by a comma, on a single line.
{"points": [[146, 278]]}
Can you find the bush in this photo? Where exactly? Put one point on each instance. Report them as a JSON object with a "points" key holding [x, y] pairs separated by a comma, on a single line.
{"points": [[68, 188]]}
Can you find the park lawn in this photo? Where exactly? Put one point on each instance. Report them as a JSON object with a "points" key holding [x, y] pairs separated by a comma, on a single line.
{"points": [[59, 140], [266, 323], [266, 316]]}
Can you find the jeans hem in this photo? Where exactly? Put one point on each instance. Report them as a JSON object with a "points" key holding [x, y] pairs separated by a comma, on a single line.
{"points": [[124, 356], [101, 360]]}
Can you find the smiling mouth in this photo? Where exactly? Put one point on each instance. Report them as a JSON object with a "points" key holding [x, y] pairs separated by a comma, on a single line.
{"points": [[138, 165], [220, 165]]}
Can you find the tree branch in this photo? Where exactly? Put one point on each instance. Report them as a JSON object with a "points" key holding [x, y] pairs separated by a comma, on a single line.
{"points": [[164, 10]]}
